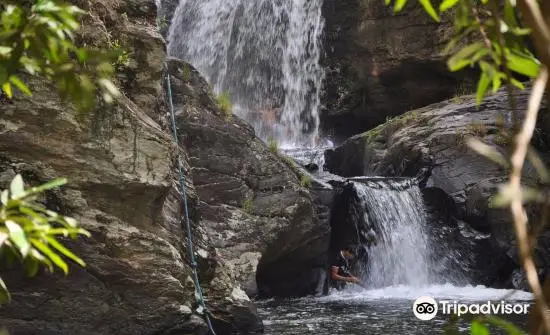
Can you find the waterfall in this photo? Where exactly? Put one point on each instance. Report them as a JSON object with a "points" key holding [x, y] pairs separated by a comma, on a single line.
{"points": [[395, 211], [264, 54]]}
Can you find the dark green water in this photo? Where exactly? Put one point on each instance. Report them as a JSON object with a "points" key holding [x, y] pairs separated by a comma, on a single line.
{"points": [[386, 311]]}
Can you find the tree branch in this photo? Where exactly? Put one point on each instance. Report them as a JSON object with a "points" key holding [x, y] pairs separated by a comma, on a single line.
{"points": [[518, 212]]}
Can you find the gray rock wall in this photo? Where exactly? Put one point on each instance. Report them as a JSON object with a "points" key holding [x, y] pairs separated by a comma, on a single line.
{"points": [[379, 64]]}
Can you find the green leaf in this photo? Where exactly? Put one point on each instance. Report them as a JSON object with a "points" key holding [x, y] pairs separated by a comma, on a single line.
{"points": [[5, 295], [47, 186], [17, 187], [66, 252], [510, 14], [31, 265], [523, 65], [41, 259], [429, 8], [399, 4], [3, 238], [109, 86], [447, 4], [487, 151], [460, 59], [454, 41], [497, 81], [6, 87], [482, 86], [5, 51], [538, 164], [517, 83], [480, 54], [20, 85], [520, 31], [18, 237], [506, 195], [4, 197], [50, 254], [70, 221], [478, 328], [387, 2], [458, 65]]}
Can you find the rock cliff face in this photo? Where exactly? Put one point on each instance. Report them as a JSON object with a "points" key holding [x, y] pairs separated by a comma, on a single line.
{"points": [[259, 217], [459, 182], [120, 165], [380, 64]]}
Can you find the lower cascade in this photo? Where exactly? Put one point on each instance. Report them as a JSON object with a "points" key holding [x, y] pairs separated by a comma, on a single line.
{"points": [[402, 252]]}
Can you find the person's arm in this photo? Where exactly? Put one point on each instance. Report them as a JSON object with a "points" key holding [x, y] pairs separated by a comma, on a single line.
{"points": [[335, 276]]}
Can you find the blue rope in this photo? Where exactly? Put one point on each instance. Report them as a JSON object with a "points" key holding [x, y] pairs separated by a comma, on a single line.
{"points": [[199, 296]]}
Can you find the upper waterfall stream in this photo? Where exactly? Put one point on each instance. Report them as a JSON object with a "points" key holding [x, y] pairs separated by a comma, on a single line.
{"points": [[264, 54]]}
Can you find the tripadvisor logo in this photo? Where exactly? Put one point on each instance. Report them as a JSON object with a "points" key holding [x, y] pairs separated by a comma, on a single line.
{"points": [[426, 308]]}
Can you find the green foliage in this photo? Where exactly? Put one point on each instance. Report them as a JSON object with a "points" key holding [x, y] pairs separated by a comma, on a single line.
{"points": [[186, 73], [29, 231], [39, 40], [288, 161], [162, 23], [273, 146], [392, 125], [305, 181], [223, 100], [462, 93], [123, 56], [489, 36], [248, 205]]}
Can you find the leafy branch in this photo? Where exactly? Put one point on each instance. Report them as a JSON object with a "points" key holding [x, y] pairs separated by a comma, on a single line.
{"points": [[39, 40], [29, 231]]}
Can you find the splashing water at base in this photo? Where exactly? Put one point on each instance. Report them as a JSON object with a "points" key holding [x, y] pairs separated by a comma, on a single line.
{"points": [[264, 53], [385, 311], [402, 253]]}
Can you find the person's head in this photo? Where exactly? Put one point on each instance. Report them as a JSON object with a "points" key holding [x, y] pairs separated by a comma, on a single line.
{"points": [[371, 238], [348, 252]]}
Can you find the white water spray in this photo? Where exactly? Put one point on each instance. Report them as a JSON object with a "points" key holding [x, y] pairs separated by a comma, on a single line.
{"points": [[264, 54], [402, 253]]}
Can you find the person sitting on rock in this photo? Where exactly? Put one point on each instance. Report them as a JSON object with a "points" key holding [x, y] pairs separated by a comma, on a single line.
{"points": [[340, 267]]}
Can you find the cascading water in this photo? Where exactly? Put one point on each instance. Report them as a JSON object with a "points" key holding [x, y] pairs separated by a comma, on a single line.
{"points": [[402, 254], [264, 54]]}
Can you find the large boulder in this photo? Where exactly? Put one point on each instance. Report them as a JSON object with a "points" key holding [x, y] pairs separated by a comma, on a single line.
{"points": [[432, 139], [120, 165], [379, 64], [258, 215]]}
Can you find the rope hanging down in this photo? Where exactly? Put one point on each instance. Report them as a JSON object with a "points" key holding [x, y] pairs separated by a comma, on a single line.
{"points": [[198, 291]]}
